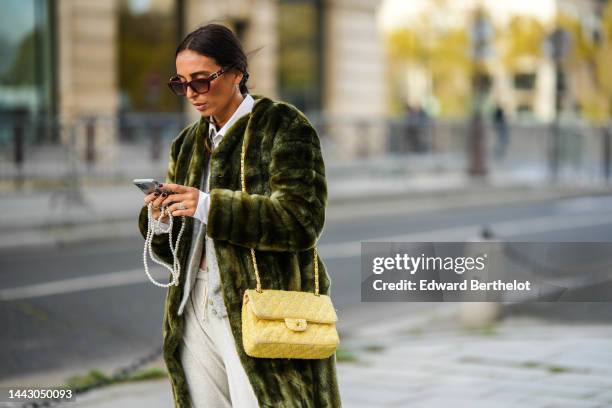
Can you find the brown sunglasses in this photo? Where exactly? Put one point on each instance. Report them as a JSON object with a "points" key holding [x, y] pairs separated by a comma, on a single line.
{"points": [[198, 85]]}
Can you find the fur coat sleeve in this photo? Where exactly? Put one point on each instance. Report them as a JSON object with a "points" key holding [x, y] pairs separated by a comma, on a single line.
{"points": [[291, 217]]}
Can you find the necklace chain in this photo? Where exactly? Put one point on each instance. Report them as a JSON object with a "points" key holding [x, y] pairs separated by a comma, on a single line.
{"points": [[175, 268]]}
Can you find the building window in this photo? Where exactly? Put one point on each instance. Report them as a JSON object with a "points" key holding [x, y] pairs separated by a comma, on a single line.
{"points": [[149, 32], [524, 81], [27, 63], [300, 49]]}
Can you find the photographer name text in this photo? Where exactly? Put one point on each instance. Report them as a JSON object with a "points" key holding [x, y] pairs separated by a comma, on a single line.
{"points": [[466, 284]]}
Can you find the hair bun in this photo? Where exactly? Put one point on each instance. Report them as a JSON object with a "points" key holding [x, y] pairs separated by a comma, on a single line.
{"points": [[245, 78]]}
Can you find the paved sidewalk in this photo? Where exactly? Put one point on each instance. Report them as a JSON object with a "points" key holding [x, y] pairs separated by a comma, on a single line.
{"points": [[519, 362], [418, 355], [110, 211], [147, 394]]}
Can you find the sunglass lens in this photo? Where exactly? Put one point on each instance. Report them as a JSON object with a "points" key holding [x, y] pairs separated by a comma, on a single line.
{"points": [[177, 87], [200, 85]]}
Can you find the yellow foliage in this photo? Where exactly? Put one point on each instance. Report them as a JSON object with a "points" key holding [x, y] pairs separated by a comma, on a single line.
{"points": [[581, 48], [444, 54], [523, 37], [404, 44]]}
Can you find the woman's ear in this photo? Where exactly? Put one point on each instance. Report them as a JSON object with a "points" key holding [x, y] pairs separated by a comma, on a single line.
{"points": [[238, 78]]}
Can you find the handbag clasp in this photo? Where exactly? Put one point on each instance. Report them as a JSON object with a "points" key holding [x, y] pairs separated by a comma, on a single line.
{"points": [[296, 324]]}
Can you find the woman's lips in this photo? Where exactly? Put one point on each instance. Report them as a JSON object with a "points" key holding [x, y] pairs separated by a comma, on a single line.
{"points": [[200, 106]]}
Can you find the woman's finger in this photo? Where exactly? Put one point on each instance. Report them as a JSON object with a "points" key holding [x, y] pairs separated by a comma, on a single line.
{"points": [[178, 213], [150, 197], [190, 207], [158, 201], [175, 198], [177, 188]]}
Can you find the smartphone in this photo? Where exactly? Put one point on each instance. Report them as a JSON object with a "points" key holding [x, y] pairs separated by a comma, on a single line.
{"points": [[148, 186]]}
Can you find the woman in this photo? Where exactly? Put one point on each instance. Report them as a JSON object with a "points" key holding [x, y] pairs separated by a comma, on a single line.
{"points": [[281, 215]]}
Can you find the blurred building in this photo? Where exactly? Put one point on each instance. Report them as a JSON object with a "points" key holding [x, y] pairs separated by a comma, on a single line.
{"points": [[80, 59], [432, 44]]}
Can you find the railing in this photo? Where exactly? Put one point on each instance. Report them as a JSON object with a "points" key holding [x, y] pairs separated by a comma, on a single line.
{"points": [[56, 153], [91, 148], [530, 151]]}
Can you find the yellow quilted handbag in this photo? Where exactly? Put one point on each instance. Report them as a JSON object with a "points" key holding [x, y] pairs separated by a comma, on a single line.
{"points": [[287, 324]]}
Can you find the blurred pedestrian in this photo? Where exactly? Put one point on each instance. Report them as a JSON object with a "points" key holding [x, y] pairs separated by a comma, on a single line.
{"points": [[281, 216], [410, 133], [501, 129], [422, 130]]}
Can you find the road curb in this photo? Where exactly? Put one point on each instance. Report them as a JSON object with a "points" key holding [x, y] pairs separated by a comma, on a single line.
{"points": [[66, 232]]}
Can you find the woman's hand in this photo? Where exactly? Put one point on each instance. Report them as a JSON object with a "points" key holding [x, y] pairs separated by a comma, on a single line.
{"points": [[156, 197], [184, 196]]}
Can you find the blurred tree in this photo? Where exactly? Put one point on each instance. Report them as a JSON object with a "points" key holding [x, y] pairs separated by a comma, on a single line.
{"points": [[588, 64], [450, 65], [522, 38], [603, 56], [404, 43], [443, 53]]}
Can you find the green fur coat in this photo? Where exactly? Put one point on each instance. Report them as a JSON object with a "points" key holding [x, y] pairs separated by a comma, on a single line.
{"points": [[281, 216]]}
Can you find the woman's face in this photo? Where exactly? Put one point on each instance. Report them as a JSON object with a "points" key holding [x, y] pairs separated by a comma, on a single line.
{"points": [[191, 65]]}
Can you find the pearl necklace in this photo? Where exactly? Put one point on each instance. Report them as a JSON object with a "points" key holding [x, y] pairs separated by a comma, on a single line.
{"points": [[174, 269]]}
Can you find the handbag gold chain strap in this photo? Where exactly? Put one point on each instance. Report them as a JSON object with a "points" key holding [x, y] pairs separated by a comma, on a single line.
{"points": [[316, 263]]}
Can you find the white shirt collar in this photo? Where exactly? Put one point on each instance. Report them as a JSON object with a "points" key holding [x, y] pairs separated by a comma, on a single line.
{"points": [[245, 107]]}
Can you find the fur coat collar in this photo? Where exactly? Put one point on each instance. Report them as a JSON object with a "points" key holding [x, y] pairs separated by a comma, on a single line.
{"points": [[281, 216]]}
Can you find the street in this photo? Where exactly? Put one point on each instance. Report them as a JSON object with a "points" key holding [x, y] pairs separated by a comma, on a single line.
{"points": [[90, 305]]}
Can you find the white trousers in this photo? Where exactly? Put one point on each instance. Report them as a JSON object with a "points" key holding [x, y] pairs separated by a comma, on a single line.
{"points": [[214, 373]]}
